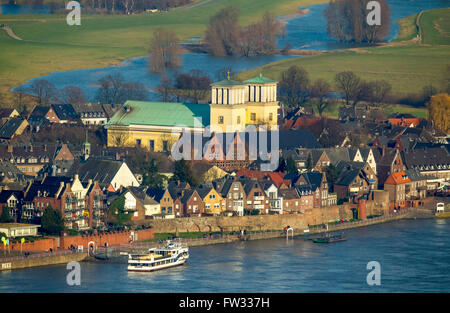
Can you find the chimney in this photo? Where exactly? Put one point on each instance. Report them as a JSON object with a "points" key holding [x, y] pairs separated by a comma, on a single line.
{"points": [[117, 156], [31, 148], [45, 147], [10, 148]]}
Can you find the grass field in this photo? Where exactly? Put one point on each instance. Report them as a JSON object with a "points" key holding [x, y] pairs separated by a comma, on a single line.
{"points": [[50, 45], [408, 66]]}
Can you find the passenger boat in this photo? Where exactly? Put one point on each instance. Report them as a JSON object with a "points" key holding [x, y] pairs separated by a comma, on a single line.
{"points": [[172, 254], [330, 238]]}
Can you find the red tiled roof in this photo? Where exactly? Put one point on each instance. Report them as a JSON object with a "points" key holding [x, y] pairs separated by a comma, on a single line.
{"points": [[398, 178]]}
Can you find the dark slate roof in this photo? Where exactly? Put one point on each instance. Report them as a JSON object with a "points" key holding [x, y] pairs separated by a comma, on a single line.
{"points": [[416, 176], [289, 193], [337, 154], [5, 112], [187, 195], [141, 195], [304, 190], [346, 165], [100, 170], [9, 171], [40, 110], [313, 178], [5, 194], [36, 121], [427, 159], [10, 127], [50, 185], [300, 138], [155, 193], [346, 177], [65, 111]]}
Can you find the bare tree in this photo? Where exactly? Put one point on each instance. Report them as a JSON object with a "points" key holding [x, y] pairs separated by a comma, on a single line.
{"points": [[347, 20], [43, 90], [380, 91], [294, 85], [164, 51], [320, 90], [72, 95], [348, 83]]}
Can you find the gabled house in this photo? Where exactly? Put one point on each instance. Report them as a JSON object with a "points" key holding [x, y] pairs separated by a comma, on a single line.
{"points": [[110, 174], [318, 183], [66, 113], [297, 199], [396, 184], [7, 114], [388, 161], [213, 202], [233, 191], [192, 203], [142, 206], [12, 200], [255, 198], [12, 128]]}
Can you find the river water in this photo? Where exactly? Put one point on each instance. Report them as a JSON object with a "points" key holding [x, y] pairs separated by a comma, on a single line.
{"points": [[306, 32], [414, 256]]}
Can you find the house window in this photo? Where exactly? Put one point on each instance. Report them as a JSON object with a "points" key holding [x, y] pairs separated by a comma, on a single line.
{"points": [[253, 116], [165, 145], [239, 120], [152, 145], [138, 142], [270, 116], [221, 119]]}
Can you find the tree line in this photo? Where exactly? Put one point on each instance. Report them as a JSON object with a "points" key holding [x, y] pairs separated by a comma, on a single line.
{"points": [[111, 6], [347, 21], [224, 36], [296, 88]]}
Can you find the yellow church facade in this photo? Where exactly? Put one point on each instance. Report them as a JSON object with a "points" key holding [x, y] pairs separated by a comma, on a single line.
{"points": [[234, 105]]}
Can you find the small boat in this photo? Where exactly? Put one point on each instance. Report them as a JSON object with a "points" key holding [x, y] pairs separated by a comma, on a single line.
{"points": [[330, 238], [172, 254]]}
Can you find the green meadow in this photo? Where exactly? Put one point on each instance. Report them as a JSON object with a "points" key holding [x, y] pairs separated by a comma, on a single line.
{"points": [[50, 45], [407, 65]]}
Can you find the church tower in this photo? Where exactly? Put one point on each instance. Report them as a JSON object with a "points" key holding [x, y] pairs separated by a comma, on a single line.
{"points": [[86, 148], [227, 106], [261, 101]]}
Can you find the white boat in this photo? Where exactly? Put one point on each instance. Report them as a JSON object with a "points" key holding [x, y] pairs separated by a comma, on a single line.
{"points": [[172, 254]]}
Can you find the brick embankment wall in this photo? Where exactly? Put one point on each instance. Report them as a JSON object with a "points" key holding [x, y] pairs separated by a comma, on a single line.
{"points": [[256, 222], [116, 238], [43, 244], [40, 260]]}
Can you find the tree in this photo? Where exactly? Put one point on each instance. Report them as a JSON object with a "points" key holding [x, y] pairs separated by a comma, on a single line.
{"points": [[72, 95], [19, 98], [428, 91], [294, 85], [164, 51], [152, 178], [380, 91], [5, 217], [164, 89], [223, 32], [43, 90], [195, 85], [291, 167], [309, 163], [320, 90], [115, 90], [183, 173], [332, 174], [349, 84], [52, 221], [439, 111], [347, 21]]}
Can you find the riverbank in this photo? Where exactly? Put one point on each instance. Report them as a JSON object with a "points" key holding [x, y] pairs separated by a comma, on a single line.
{"points": [[411, 213], [41, 259]]}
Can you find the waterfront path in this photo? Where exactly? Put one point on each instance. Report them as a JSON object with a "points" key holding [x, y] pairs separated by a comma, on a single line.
{"points": [[138, 247], [40, 259]]}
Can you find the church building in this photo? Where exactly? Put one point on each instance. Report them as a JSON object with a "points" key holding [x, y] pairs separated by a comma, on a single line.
{"points": [[234, 105]]}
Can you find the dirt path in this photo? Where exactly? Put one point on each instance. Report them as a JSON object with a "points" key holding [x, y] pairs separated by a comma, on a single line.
{"points": [[10, 32]]}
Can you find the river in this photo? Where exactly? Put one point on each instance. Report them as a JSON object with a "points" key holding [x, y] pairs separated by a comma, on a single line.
{"points": [[413, 255], [304, 32]]}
